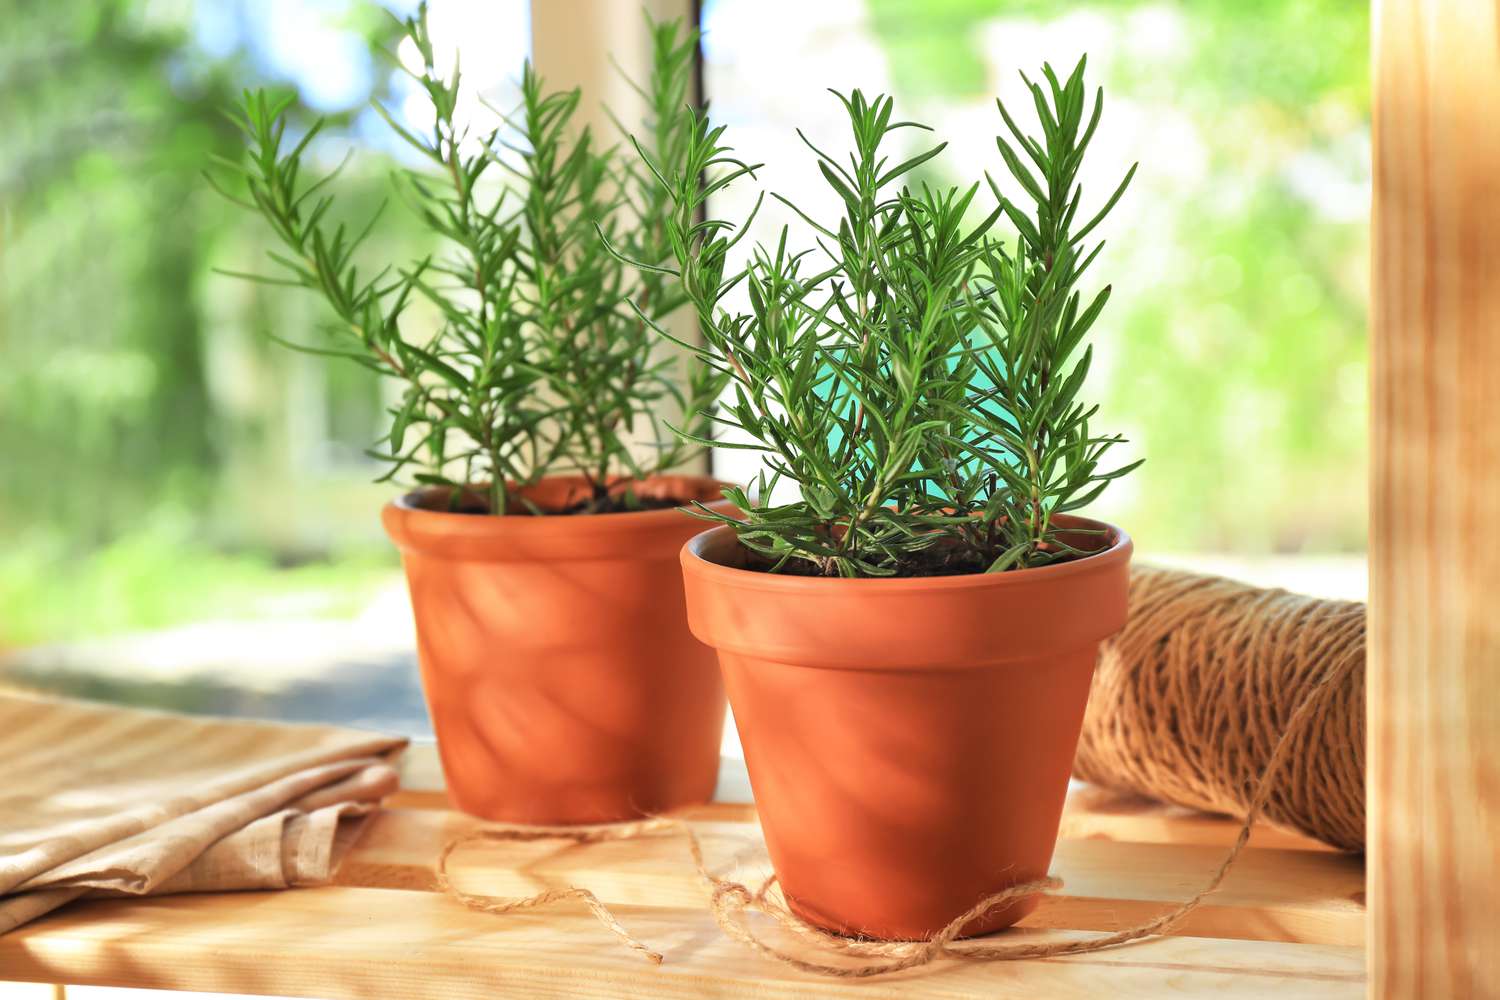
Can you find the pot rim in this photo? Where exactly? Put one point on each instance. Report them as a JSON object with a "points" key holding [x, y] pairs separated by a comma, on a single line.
{"points": [[693, 561], [569, 523], [654, 534]]}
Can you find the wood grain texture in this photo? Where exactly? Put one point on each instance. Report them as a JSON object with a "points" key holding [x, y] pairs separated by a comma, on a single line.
{"points": [[1288, 921], [1294, 917], [1091, 813], [1094, 813], [1274, 895], [363, 944], [422, 787], [1434, 669]]}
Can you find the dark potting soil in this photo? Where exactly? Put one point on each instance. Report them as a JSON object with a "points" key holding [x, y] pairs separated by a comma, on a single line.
{"points": [[610, 505], [931, 562], [623, 505]]}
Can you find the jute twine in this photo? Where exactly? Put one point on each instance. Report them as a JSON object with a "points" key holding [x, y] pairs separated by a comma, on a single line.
{"points": [[1193, 697], [1322, 675], [578, 835]]}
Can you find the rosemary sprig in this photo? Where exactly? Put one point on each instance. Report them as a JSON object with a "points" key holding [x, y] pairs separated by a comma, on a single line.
{"points": [[540, 365], [912, 376]]}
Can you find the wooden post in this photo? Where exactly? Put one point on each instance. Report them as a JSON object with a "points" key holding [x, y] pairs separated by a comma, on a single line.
{"points": [[574, 41], [1434, 671], [586, 44]]}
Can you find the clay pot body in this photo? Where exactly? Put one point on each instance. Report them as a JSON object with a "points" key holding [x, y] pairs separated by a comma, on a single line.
{"points": [[909, 741], [559, 672]]}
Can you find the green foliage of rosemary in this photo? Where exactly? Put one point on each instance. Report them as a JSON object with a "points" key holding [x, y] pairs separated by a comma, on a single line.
{"points": [[539, 366], [915, 377]]}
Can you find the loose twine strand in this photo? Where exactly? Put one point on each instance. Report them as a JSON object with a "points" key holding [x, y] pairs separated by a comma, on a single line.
{"points": [[579, 835], [729, 900]]}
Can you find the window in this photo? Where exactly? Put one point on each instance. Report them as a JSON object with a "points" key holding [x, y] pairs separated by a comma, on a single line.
{"points": [[189, 518]]}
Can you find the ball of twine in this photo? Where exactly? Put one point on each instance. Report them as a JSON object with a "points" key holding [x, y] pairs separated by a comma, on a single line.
{"points": [[1190, 700]]}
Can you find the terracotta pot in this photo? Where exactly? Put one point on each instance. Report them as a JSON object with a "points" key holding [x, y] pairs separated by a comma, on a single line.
{"points": [[908, 740], [562, 680]]}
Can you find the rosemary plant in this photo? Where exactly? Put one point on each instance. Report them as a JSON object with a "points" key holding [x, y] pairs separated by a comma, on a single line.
{"points": [[538, 366], [917, 377]]}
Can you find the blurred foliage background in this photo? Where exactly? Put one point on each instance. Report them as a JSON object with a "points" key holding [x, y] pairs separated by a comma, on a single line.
{"points": [[161, 461], [1233, 349]]}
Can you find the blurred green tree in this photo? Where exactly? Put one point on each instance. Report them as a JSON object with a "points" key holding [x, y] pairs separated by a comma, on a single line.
{"points": [[108, 308], [137, 398]]}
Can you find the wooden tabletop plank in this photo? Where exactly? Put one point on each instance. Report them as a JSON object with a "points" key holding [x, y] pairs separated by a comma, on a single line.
{"points": [[1272, 894], [1090, 813], [360, 944], [422, 787]]}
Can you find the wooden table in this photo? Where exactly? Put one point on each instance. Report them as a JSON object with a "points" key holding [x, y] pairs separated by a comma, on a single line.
{"points": [[1288, 922]]}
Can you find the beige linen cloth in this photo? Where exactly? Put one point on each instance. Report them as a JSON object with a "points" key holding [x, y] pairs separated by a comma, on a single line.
{"points": [[101, 800]]}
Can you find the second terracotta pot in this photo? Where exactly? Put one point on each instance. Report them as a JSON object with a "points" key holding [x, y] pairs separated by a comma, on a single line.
{"points": [[562, 681], [909, 741]]}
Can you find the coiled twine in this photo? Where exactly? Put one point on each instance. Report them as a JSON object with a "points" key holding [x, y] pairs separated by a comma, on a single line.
{"points": [[1189, 701]]}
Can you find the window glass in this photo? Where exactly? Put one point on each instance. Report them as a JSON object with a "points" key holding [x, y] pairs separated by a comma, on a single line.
{"points": [[187, 516]]}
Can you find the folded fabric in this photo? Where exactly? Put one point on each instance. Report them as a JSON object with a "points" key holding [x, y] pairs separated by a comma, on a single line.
{"points": [[102, 800]]}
